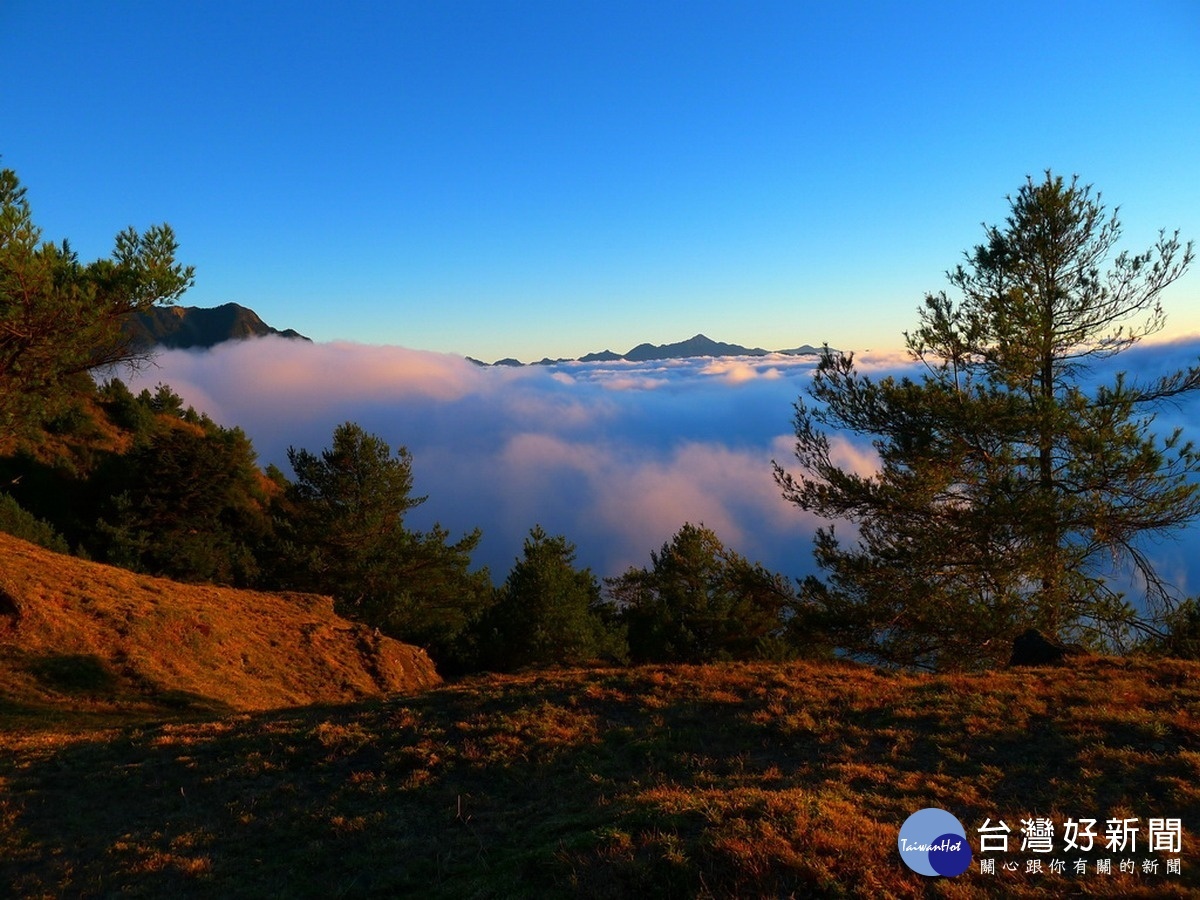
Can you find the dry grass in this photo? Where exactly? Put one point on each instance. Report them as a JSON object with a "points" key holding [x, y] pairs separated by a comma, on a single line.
{"points": [[79, 638], [152, 743], [741, 780]]}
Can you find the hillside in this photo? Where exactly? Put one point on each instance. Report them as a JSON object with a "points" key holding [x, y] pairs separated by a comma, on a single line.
{"points": [[751, 780], [185, 327], [79, 635]]}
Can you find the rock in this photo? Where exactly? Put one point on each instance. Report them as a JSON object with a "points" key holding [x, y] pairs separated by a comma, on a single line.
{"points": [[1032, 648]]}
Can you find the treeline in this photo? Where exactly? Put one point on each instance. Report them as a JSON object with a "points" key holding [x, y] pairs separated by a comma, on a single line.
{"points": [[1012, 492], [146, 483], [143, 482]]}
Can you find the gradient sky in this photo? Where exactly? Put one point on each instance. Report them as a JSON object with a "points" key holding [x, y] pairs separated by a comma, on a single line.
{"points": [[551, 178]]}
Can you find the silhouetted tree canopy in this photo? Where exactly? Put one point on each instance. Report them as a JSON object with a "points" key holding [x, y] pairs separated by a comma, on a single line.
{"points": [[188, 503], [60, 317], [548, 612], [1013, 491], [700, 602]]}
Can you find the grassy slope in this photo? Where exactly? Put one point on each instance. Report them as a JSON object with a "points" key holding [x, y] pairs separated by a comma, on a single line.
{"points": [[739, 780], [80, 637]]}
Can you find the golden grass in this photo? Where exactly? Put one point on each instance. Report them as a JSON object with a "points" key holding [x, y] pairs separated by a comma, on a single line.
{"points": [[159, 739], [88, 637], [715, 781]]}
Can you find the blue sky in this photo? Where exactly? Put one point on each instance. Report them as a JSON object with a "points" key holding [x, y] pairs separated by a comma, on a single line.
{"points": [[533, 178]]}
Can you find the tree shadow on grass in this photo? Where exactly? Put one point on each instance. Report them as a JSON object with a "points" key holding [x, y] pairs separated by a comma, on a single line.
{"points": [[611, 783], [74, 673], [55, 689]]}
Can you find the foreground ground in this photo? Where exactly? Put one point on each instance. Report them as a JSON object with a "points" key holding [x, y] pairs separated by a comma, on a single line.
{"points": [[740, 780]]}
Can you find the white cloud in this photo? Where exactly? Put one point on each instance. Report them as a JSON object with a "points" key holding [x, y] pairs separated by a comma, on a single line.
{"points": [[617, 456], [632, 383]]}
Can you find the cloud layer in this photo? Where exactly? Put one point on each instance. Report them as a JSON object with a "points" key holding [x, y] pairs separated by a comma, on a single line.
{"points": [[616, 456]]}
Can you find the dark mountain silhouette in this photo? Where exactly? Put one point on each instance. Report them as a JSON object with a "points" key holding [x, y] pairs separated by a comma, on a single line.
{"points": [[602, 356], [694, 346], [699, 345], [184, 327]]}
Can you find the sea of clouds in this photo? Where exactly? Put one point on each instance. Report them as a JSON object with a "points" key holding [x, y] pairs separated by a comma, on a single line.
{"points": [[616, 456]]}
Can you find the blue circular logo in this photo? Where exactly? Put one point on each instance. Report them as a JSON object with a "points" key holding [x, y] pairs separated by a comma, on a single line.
{"points": [[932, 842]]}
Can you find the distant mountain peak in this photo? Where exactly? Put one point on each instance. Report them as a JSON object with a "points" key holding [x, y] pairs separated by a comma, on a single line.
{"points": [[602, 356], [700, 345], [804, 350], [190, 327]]}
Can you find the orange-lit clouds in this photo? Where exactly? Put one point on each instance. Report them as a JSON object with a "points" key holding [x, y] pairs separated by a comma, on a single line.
{"points": [[635, 501], [736, 371], [294, 372], [617, 456]]}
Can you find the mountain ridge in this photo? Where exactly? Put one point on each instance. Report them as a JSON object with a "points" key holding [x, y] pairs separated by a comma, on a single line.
{"points": [[698, 345], [194, 327], [197, 327]]}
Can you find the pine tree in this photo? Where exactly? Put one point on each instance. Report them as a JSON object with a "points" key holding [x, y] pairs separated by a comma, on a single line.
{"points": [[59, 317], [548, 612], [1012, 490], [349, 539], [700, 602], [186, 501]]}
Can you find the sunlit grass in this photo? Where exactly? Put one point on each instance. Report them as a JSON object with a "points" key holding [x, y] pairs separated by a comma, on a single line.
{"points": [[738, 780], [94, 641]]}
